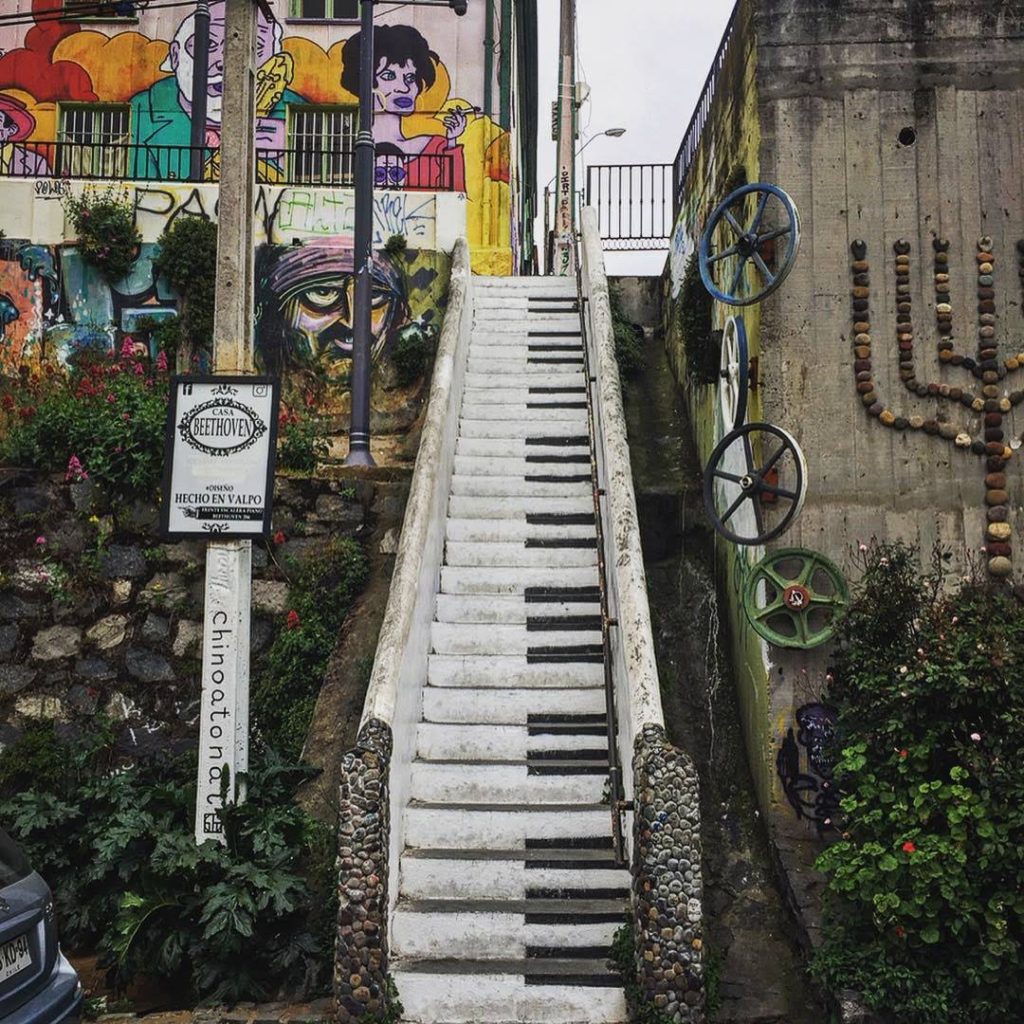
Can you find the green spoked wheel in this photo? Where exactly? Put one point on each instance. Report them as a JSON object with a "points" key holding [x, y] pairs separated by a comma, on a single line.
{"points": [[794, 598]]}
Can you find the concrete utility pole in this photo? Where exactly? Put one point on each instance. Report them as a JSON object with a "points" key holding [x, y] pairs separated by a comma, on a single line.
{"points": [[565, 189], [226, 618]]}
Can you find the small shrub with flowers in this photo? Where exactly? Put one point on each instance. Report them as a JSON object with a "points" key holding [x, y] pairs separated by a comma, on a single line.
{"points": [[289, 680], [301, 441], [104, 222], [104, 420], [925, 896]]}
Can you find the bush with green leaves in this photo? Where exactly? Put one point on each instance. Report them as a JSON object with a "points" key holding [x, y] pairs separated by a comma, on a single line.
{"points": [[693, 314], [187, 258], [629, 339], [623, 957], [108, 412], [925, 898], [412, 352], [289, 679], [301, 442], [104, 223], [245, 920]]}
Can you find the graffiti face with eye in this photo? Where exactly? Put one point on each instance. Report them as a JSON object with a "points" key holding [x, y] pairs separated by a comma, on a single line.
{"points": [[397, 86], [321, 312]]}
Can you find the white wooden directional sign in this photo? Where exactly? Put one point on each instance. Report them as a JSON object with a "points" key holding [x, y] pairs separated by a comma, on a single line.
{"points": [[219, 462]]}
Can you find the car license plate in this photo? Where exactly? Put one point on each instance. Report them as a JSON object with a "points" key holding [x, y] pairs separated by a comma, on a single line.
{"points": [[15, 956]]}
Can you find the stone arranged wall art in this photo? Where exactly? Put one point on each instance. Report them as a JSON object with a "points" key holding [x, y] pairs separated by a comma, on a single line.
{"points": [[977, 409]]}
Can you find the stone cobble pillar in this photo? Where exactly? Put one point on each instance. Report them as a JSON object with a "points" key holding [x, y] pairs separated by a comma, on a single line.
{"points": [[667, 884], [361, 948]]}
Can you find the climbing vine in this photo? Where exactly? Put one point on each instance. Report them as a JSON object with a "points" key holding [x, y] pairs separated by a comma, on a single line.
{"points": [[104, 222]]}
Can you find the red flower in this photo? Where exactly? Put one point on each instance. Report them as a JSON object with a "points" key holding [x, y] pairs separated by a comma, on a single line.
{"points": [[904, 752], [279, 537], [909, 847], [8, 402], [900, 932], [293, 620]]}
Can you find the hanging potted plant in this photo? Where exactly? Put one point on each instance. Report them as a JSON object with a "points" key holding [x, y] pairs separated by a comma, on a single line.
{"points": [[104, 222]]}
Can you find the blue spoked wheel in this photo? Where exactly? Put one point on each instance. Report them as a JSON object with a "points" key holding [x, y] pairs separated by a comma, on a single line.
{"points": [[758, 233], [734, 374]]}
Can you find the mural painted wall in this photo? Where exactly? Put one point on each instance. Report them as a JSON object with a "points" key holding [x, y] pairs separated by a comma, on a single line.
{"points": [[53, 303], [129, 85]]}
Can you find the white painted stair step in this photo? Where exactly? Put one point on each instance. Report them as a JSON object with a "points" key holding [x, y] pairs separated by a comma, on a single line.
{"points": [[506, 874], [500, 783], [443, 741], [512, 530], [517, 430], [511, 706], [511, 609], [520, 447], [530, 418], [540, 366], [495, 553], [520, 396], [552, 378], [510, 672], [507, 638], [469, 579], [486, 827], [431, 995], [517, 465], [504, 928], [517, 507]]}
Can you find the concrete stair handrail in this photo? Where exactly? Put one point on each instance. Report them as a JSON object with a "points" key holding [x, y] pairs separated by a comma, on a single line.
{"points": [[375, 775]]}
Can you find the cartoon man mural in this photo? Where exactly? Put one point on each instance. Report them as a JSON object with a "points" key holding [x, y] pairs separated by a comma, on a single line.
{"points": [[304, 306], [405, 67], [16, 125], [161, 115]]}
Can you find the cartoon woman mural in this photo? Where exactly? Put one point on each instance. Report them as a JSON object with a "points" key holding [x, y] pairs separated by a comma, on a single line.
{"points": [[16, 125], [405, 67]]}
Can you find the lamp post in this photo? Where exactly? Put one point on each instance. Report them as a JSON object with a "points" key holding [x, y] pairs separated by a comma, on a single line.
{"points": [[200, 85], [362, 332], [613, 133]]}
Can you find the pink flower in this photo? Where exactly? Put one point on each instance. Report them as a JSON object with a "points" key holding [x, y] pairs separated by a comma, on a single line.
{"points": [[293, 621], [904, 752], [111, 398], [75, 472], [40, 541], [161, 362], [139, 371], [128, 347], [126, 417], [976, 736], [279, 537]]}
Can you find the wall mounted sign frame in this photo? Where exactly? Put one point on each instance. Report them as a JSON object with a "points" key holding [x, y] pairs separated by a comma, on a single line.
{"points": [[219, 457], [754, 220]]}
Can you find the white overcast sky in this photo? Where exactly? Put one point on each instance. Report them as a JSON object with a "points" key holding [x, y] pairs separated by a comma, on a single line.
{"points": [[645, 62]]}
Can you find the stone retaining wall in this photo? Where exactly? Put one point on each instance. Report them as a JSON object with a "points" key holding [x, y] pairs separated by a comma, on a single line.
{"points": [[667, 885]]}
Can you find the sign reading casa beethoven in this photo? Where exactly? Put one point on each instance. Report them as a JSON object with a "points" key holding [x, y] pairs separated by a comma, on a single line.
{"points": [[219, 463]]}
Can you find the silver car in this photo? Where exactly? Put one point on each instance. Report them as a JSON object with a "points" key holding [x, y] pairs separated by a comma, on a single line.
{"points": [[37, 984]]}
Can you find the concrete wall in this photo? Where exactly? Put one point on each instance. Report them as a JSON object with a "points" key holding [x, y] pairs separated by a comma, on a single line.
{"points": [[49, 67], [829, 90]]}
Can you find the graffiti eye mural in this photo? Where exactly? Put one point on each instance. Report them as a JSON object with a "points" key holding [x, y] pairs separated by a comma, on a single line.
{"points": [[321, 298]]}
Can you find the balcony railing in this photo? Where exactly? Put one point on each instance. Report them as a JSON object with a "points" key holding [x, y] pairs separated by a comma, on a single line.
{"points": [[433, 172], [695, 129]]}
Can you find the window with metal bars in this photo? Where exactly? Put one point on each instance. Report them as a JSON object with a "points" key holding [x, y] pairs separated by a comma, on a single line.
{"points": [[321, 145], [325, 10], [101, 10], [94, 141]]}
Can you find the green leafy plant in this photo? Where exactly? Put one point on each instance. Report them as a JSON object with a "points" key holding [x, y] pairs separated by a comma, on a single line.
{"points": [[693, 314], [187, 257], [925, 907], [104, 420], [396, 245], [629, 339], [301, 442], [289, 680], [104, 222], [622, 956], [412, 353], [238, 921]]}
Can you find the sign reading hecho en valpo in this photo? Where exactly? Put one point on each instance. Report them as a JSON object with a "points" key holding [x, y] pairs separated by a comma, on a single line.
{"points": [[219, 473]]}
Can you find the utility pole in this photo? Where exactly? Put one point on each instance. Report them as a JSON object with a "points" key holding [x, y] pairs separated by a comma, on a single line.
{"points": [[565, 190], [362, 339], [200, 86], [226, 617]]}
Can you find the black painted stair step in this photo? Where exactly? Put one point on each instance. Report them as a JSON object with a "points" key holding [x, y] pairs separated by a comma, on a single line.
{"points": [[580, 754], [548, 857], [538, 389], [564, 595], [588, 971], [558, 623], [581, 543], [546, 892], [576, 441], [536, 911]]}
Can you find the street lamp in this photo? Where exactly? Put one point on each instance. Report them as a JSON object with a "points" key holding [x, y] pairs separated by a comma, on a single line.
{"points": [[613, 133], [362, 339]]}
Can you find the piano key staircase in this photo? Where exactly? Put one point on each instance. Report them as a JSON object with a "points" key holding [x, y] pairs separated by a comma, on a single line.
{"points": [[509, 888]]}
